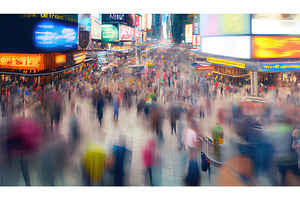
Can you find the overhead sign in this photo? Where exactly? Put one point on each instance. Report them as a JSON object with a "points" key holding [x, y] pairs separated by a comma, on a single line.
{"points": [[110, 33], [280, 66], [144, 22], [205, 68], [19, 61], [226, 62], [60, 59], [120, 17]]}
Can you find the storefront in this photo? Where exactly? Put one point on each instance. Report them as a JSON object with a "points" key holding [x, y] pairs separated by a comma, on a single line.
{"points": [[279, 74]]}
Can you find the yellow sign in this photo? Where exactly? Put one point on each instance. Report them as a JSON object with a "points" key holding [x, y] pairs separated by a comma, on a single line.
{"points": [[18, 61], [226, 62], [60, 59], [80, 57]]}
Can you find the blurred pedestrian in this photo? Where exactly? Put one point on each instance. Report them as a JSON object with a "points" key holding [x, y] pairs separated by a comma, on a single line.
{"points": [[149, 157]]}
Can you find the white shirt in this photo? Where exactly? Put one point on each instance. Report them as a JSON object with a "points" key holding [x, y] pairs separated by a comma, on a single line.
{"points": [[190, 138]]}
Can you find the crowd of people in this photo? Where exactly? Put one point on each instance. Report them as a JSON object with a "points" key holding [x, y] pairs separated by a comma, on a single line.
{"points": [[164, 91]]}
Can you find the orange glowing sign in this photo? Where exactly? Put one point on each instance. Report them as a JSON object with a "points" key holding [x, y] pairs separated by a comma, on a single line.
{"points": [[20, 61], [275, 47], [60, 59]]}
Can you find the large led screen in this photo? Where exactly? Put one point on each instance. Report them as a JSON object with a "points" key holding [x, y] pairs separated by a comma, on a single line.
{"points": [[126, 33], [275, 24], [55, 36], [38, 33], [275, 47], [224, 24], [231, 46], [96, 29], [110, 33], [189, 33]]}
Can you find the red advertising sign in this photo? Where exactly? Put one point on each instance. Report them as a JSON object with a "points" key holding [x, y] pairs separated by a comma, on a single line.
{"points": [[196, 40], [205, 68], [126, 32], [137, 20]]}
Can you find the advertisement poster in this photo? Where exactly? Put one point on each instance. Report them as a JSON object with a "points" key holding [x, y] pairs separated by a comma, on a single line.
{"points": [[95, 29], [196, 40], [275, 47], [54, 36], [189, 33], [126, 32], [224, 24], [110, 33]]}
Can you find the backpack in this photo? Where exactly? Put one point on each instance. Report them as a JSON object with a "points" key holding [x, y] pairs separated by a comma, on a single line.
{"points": [[205, 164]]}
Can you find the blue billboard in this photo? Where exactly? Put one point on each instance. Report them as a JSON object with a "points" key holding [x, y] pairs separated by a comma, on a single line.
{"points": [[280, 66], [54, 36]]}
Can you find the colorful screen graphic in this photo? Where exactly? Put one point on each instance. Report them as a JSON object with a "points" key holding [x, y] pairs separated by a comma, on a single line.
{"points": [[84, 22], [110, 33], [265, 47], [126, 32], [52, 36], [224, 24], [189, 33]]}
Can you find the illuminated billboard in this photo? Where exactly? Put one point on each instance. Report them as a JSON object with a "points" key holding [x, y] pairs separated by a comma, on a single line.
{"points": [[95, 29], [276, 24], [189, 33], [265, 47], [224, 24], [280, 66], [232, 46], [54, 36], [38, 33], [126, 33], [149, 21], [110, 33], [196, 40]]}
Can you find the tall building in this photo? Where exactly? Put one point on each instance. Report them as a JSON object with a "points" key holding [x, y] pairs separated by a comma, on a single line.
{"points": [[157, 29], [178, 27]]}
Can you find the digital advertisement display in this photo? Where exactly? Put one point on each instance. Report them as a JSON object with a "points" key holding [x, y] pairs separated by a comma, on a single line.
{"points": [[38, 33], [196, 40], [189, 33], [232, 46], [280, 66], [138, 20], [84, 22], [196, 28], [126, 33], [54, 36], [21, 61], [278, 24], [265, 47], [224, 24], [110, 33], [95, 29]]}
